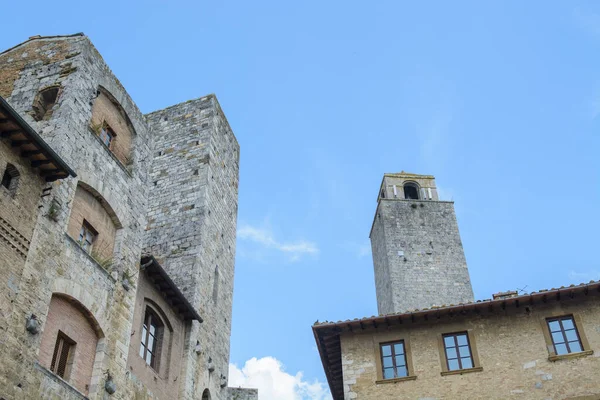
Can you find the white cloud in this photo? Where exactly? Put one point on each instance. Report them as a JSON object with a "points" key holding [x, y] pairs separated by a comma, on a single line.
{"points": [[265, 238], [267, 374]]}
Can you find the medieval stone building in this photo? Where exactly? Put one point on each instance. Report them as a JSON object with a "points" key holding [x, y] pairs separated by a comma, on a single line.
{"points": [[117, 234], [431, 340]]}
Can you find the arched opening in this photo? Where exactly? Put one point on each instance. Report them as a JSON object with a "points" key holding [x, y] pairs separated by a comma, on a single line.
{"points": [[93, 224], [69, 341], [44, 103], [411, 191], [112, 125], [206, 394], [10, 179]]}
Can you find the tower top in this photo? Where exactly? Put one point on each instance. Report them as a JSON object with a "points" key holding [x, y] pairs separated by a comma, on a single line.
{"points": [[408, 186]]}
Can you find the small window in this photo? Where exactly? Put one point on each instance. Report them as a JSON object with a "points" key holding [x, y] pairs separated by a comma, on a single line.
{"points": [[87, 236], [107, 135], [458, 351], [152, 331], [411, 191], [10, 179], [44, 102], [62, 358], [565, 337], [393, 360]]}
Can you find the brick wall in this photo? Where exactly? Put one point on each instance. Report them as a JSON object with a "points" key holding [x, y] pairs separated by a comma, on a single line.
{"points": [[164, 381], [87, 207], [66, 316], [107, 110], [511, 348]]}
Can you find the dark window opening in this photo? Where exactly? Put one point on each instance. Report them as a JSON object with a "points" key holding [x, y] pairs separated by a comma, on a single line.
{"points": [[152, 331], [393, 360], [382, 193], [411, 191], [44, 102], [107, 135], [10, 179], [565, 337], [458, 351], [62, 358], [87, 236]]}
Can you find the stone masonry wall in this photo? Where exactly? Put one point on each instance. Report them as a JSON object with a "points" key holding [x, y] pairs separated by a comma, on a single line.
{"points": [[511, 349], [18, 215], [56, 263], [418, 256], [192, 228]]}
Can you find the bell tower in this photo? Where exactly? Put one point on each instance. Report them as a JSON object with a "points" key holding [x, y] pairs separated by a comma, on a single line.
{"points": [[417, 252]]}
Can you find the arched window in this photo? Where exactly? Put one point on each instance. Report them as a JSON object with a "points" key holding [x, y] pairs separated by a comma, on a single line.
{"points": [[10, 179], [44, 102], [93, 224], [206, 394], [411, 191], [152, 337], [69, 341], [112, 125]]}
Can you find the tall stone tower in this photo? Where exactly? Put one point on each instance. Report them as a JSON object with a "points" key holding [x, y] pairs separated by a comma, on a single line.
{"points": [[417, 252], [192, 228]]}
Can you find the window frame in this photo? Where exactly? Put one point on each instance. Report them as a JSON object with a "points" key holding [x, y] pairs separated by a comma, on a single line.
{"points": [[393, 357], [58, 353], [155, 353], [109, 132], [381, 340], [550, 346], [472, 349], [85, 230]]}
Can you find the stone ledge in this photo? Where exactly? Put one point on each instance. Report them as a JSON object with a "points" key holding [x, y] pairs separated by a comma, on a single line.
{"points": [[60, 380], [462, 371], [88, 255], [571, 355], [396, 380]]}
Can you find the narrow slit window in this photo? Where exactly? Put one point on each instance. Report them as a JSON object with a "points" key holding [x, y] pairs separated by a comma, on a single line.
{"points": [[458, 351], [565, 337], [393, 360], [62, 358]]}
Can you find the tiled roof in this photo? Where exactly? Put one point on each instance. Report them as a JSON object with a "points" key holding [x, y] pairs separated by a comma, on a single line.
{"points": [[327, 333]]}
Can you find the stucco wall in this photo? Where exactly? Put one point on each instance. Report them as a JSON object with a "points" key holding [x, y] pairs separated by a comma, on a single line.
{"points": [[511, 349]]}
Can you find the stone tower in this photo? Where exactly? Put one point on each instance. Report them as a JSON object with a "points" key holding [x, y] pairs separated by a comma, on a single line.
{"points": [[417, 252], [192, 227]]}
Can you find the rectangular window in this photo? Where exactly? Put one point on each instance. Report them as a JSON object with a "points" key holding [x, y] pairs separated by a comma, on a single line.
{"points": [[62, 358], [87, 235], [458, 351], [107, 135], [565, 337], [393, 360]]}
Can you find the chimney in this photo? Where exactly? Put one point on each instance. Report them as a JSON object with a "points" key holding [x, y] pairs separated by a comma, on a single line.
{"points": [[505, 295]]}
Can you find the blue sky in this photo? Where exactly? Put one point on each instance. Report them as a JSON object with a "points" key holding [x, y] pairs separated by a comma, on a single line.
{"points": [[499, 100]]}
